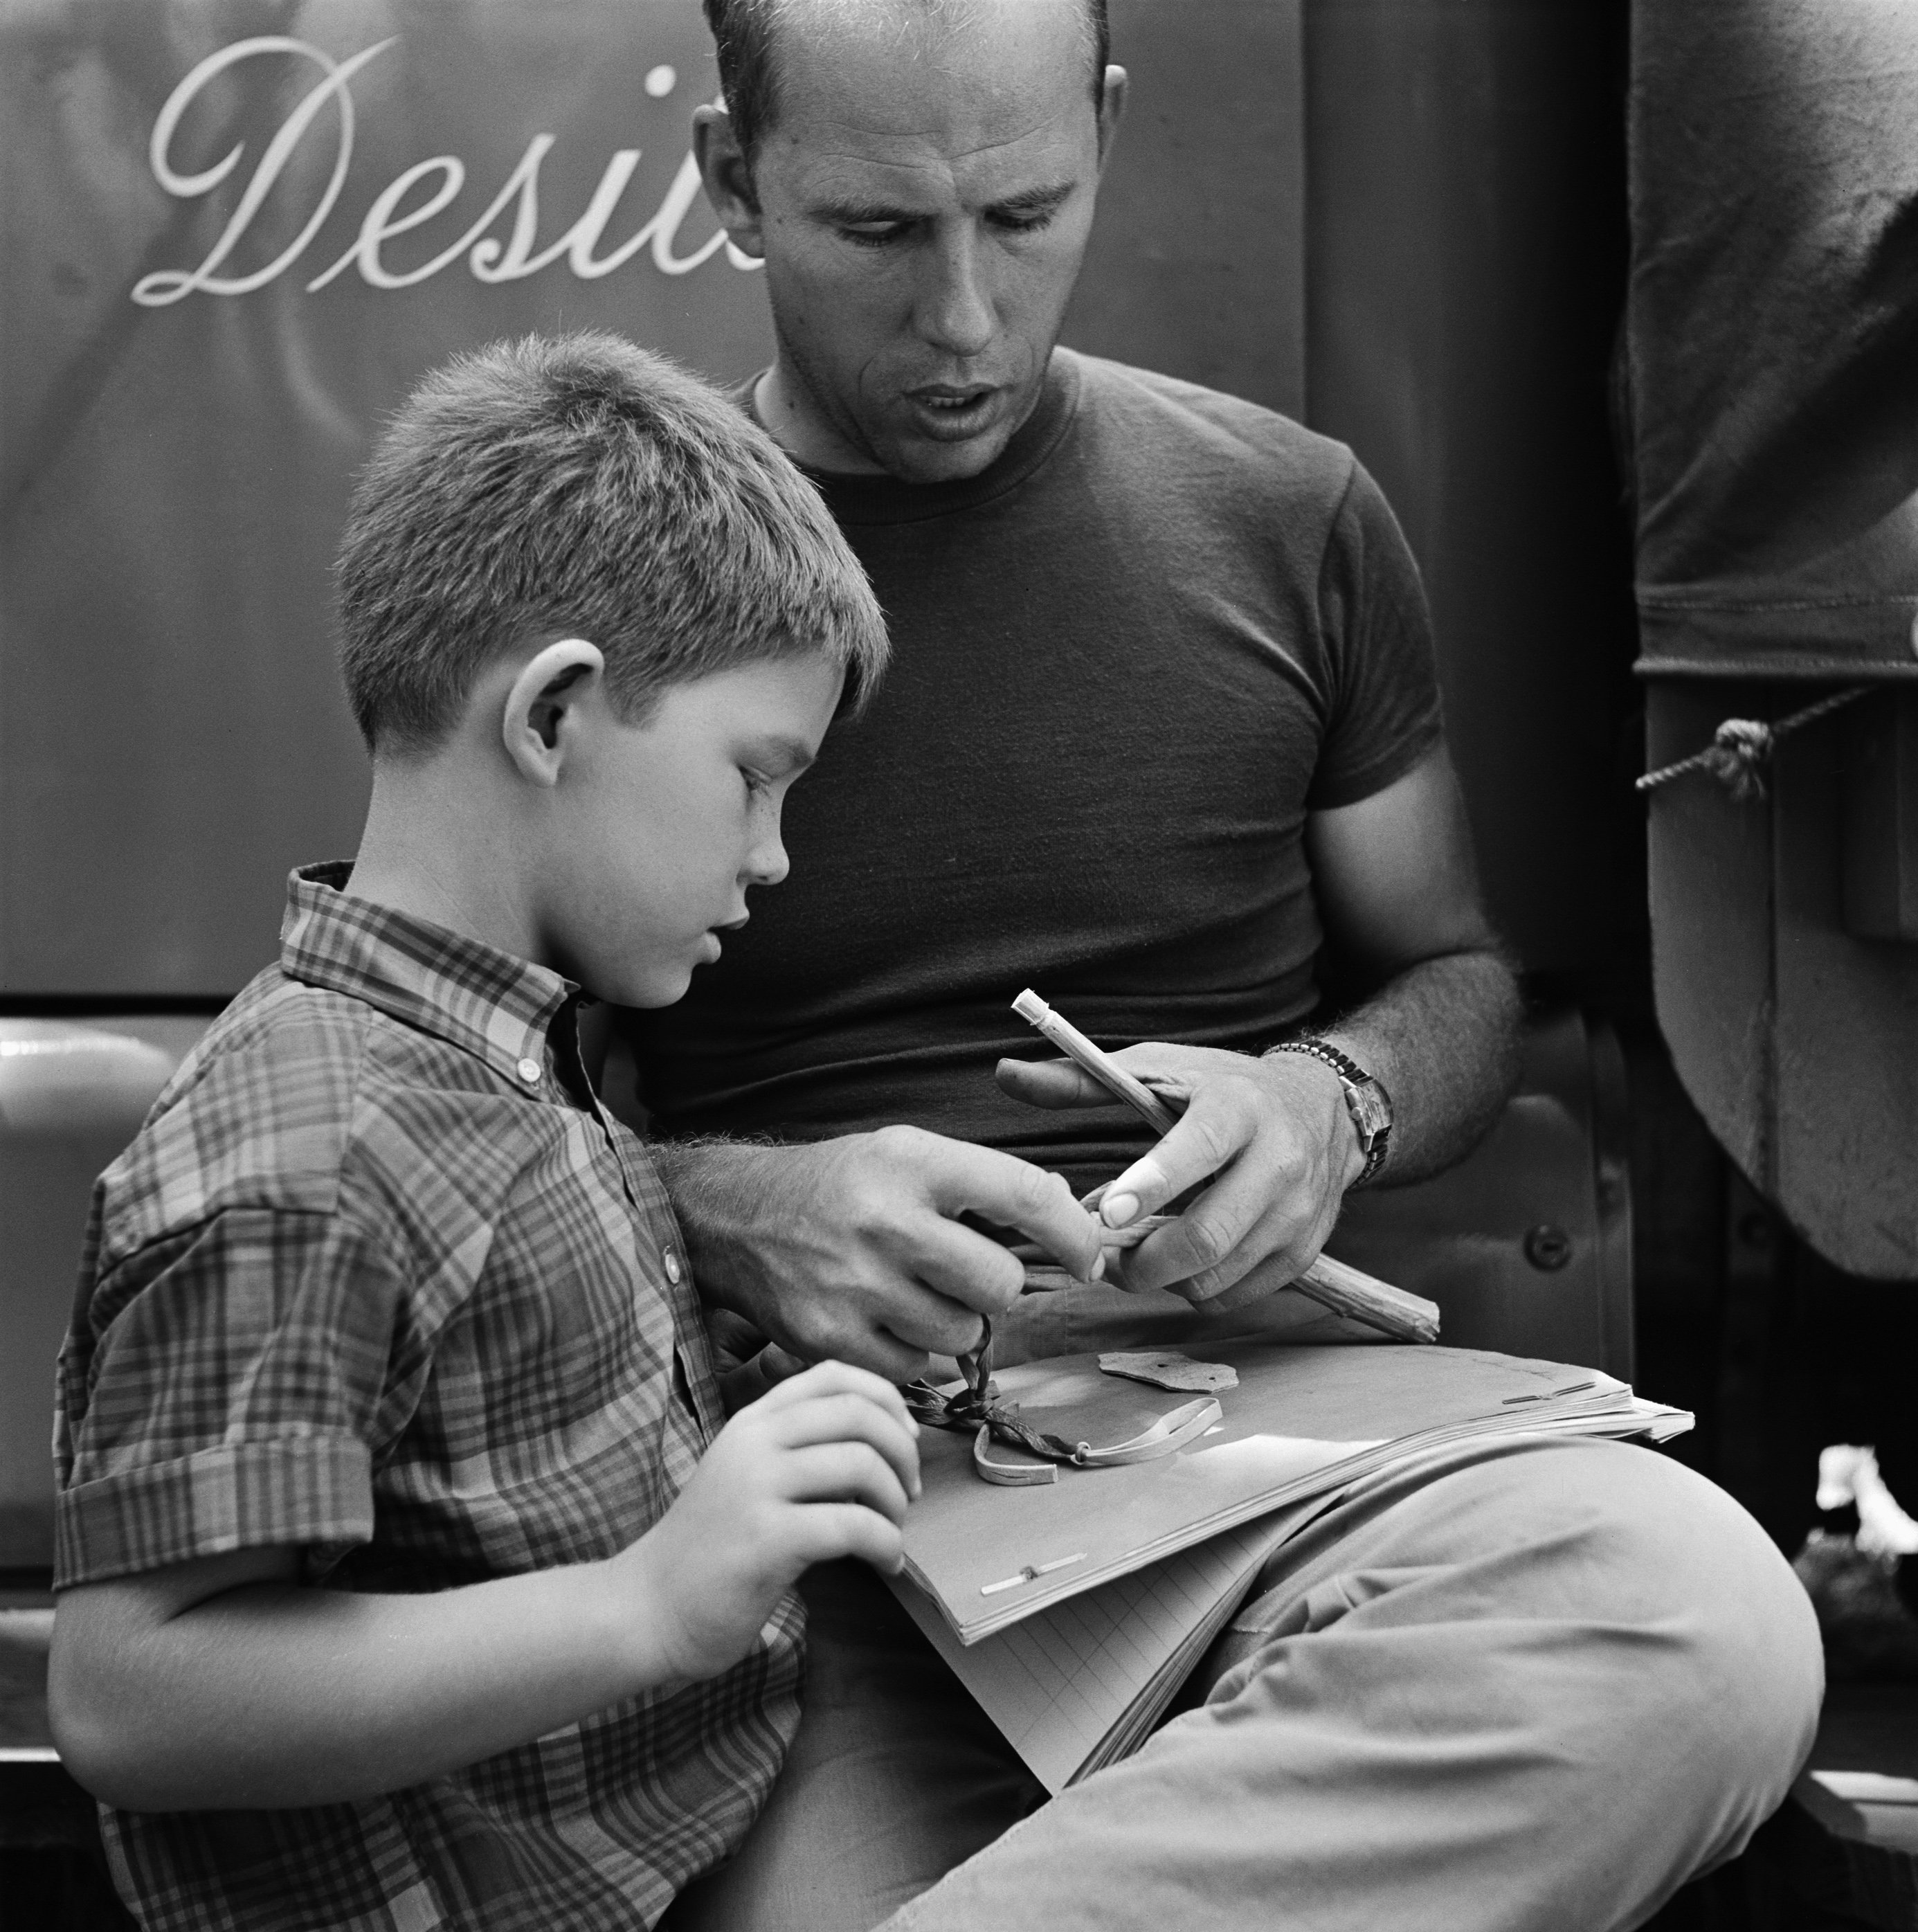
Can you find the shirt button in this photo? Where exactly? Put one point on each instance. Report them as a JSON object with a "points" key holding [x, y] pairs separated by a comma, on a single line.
{"points": [[672, 1267], [529, 1071]]}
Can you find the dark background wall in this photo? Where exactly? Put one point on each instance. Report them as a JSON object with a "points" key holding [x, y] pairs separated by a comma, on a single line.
{"points": [[1397, 221], [172, 477]]}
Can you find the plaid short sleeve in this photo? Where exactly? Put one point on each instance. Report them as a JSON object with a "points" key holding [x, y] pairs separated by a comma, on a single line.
{"points": [[223, 1394], [380, 1280]]}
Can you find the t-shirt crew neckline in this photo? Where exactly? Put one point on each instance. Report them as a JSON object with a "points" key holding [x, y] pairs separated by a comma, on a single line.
{"points": [[858, 500]]}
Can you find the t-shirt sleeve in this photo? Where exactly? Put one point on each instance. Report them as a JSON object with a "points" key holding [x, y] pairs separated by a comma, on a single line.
{"points": [[222, 1390], [1383, 715]]}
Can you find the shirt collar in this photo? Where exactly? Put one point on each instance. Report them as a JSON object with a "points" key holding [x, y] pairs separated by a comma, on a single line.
{"points": [[859, 499], [470, 994]]}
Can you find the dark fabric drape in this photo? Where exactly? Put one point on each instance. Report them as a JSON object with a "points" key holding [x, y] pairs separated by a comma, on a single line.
{"points": [[1772, 416], [1773, 335]]}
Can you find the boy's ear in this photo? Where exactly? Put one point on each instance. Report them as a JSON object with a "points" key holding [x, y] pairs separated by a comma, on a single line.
{"points": [[550, 687], [728, 180]]}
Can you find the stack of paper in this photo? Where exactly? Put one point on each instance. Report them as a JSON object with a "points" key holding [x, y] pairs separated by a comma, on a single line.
{"points": [[1074, 1612]]}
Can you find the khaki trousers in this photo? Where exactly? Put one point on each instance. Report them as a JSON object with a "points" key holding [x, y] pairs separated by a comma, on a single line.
{"points": [[1530, 1688]]}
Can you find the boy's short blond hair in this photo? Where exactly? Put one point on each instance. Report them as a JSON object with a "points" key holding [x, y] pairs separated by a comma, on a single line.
{"points": [[581, 485]]}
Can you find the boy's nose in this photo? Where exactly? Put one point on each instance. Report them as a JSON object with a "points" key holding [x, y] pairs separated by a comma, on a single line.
{"points": [[768, 864]]}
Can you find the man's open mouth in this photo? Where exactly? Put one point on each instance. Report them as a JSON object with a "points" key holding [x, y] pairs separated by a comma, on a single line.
{"points": [[954, 410], [952, 399]]}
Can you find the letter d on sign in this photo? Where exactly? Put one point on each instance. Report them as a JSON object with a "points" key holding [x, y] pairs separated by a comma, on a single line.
{"points": [[168, 285]]}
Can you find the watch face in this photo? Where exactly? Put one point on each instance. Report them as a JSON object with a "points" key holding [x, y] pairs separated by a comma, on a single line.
{"points": [[1371, 1112]]}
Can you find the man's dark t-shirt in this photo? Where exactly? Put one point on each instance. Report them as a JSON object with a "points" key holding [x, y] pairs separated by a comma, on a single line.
{"points": [[1128, 658]]}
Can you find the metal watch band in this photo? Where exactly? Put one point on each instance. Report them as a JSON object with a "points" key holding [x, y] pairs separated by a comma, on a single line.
{"points": [[1373, 1139]]}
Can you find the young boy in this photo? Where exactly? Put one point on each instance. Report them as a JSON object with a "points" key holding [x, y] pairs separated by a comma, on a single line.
{"points": [[408, 1577]]}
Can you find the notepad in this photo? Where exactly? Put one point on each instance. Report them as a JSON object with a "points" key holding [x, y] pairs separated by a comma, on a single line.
{"points": [[1302, 1421], [1074, 1612]]}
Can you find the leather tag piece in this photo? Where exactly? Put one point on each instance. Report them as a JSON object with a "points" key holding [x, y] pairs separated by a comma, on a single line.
{"points": [[1167, 1369]]}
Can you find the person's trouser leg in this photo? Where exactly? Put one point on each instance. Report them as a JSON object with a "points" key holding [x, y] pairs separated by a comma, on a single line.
{"points": [[1533, 1690], [895, 1776], [1535, 1687]]}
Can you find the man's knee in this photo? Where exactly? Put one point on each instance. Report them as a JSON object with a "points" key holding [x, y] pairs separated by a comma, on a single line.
{"points": [[1734, 1671], [1634, 1546], [1616, 1607], [1618, 1671]]}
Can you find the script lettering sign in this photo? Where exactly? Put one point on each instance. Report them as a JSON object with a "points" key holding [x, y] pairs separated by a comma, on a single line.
{"points": [[432, 186]]}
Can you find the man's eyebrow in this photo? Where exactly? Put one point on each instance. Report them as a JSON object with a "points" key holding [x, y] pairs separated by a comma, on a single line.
{"points": [[854, 214], [872, 214], [1034, 200]]}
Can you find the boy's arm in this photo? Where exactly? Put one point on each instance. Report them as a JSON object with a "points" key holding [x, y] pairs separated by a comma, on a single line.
{"points": [[221, 1683]]}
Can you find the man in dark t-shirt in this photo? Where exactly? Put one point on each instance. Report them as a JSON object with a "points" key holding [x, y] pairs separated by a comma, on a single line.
{"points": [[1160, 736], [1162, 719], [1137, 652]]}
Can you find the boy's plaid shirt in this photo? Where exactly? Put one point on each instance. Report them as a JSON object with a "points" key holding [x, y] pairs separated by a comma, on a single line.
{"points": [[371, 1283]]}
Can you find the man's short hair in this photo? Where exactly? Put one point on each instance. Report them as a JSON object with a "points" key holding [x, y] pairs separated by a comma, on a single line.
{"points": [[581, 486], [742, 32]]}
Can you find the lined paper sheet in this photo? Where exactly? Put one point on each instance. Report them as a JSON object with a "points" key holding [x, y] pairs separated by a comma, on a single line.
{"points": [[1059, 1684]]}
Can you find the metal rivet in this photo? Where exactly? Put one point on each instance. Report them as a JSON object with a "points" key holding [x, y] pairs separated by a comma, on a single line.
{"points": [[1548, 1247], [528, 1071], [672, 1267]]}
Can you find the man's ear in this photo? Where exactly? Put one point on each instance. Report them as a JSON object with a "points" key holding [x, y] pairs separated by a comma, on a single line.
{"points": [[542, 703], [1112, 105], [728, 180]]}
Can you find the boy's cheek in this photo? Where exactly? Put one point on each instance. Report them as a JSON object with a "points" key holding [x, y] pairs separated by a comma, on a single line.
{"points": [[642, 978], [658, 993]]}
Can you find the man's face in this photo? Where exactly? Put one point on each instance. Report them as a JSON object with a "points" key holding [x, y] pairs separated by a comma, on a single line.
{"points": [[922, 201], [665, 825]]}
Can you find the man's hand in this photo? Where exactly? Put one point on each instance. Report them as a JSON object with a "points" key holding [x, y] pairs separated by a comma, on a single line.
{"points": [[851, 1249], [1276, 1132], [820, 1468], [1393, 878]]}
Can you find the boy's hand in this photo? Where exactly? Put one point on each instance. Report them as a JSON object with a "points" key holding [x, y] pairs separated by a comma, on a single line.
{"points": [[222, 1682], [821, 1467]]}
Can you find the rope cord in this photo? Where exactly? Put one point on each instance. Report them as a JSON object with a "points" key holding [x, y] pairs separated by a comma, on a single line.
{"points": [[1742, 747]]}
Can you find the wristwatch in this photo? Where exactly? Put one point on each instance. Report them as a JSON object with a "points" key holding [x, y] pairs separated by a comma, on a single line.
{"points": [[1366, 1101]]}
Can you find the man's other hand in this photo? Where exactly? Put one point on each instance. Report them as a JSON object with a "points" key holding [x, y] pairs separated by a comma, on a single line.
{"points": [[853, 1250], [1273, 1137]]}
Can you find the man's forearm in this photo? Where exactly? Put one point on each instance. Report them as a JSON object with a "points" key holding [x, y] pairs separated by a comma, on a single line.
{"points": [[1443, 1040], [721, 1191]]}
